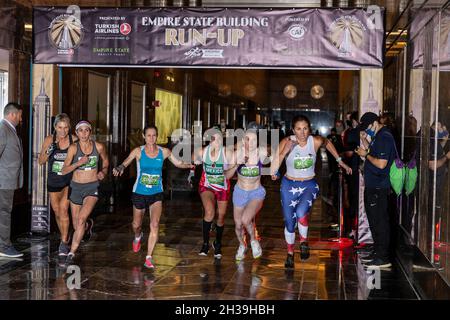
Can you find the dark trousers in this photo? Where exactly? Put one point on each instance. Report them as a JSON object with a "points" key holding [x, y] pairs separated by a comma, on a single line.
{"points": [[353, 195], [6, 204], [376, 204]]}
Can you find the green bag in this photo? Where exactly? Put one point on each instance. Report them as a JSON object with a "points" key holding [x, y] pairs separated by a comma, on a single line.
{"points": [[397, 176], [411, 175], [397, 173]]}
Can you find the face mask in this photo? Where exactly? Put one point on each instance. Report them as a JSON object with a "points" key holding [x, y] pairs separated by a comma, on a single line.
{"points": [[349, 123], [370, 132]]}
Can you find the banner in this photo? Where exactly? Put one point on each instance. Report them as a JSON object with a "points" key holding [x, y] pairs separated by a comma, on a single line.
{"points": [[441, 37], [318, 38]]}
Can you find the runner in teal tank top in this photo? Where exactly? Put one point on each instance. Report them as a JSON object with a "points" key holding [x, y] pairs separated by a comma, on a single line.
{"points": [[214, 189], [148, 190]]}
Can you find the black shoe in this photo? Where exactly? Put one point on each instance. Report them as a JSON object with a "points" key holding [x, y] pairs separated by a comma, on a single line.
{"points": [[368, 257], [69, 259], [63, 249], [378, 263], [217, 250], [289, 261], [10, 252], [304, 251], [88, 233], [204, 250]]}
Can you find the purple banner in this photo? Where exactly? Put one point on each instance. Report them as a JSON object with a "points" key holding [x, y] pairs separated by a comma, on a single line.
{"points": [[441, 37], [319, 38]]}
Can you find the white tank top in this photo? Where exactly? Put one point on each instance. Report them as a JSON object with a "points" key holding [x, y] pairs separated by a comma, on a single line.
{"points": [[301, 161]]}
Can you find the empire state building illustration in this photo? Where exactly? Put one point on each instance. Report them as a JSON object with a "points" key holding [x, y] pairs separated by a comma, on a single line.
{"points": [[346, 35], [371, 105], [40, 215]]}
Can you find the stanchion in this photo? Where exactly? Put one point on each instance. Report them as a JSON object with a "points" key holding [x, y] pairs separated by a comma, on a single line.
{"points": [[341, 241]]}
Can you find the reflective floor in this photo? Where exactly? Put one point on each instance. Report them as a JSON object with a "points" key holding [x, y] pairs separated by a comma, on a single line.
{"points": [[110, 270]]}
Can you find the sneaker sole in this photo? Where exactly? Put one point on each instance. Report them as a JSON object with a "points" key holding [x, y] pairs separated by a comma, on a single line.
{"points": [[382, 266], [203, 254], [11, 256], [218, 255], [62, 254]]}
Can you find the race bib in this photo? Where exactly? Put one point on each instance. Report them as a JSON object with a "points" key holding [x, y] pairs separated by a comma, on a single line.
{"points": [[149, 180], [57, 167], [303, 163], [217, 180], [91, 165], [250, 171]]}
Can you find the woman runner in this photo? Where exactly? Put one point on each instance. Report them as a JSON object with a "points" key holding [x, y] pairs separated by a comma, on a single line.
{"points": [[83, 160], [249, 194], [148, 188], [299, 187], [214, 188], [54, 152]]}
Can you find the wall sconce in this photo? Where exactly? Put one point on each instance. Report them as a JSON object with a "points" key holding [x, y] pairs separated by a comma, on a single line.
{"points": [[170, 77]]}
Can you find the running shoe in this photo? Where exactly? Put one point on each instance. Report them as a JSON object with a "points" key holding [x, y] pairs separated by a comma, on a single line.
{"points": [[240, 254], [70, 258], [304, 251], [367, 258], [137, 243], [204, 250], [256, 249], [289, 261], [63, 249], [88, 233], [378, 263], [217, 246], [149, 263]]}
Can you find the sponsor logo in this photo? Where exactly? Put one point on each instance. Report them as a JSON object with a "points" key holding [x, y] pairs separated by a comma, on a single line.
{"points": [[204, 53], [297, 31], [346, 34], [125, 29]]}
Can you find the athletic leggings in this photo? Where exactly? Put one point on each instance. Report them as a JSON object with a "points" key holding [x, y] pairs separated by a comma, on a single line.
{"points": [[297, 198]]}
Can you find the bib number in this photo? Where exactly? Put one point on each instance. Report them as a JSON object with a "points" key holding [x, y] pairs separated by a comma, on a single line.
{"points": [[149, 180], [303, 163], [217, 180], [250, 172], [57, 167], [91, 164]]}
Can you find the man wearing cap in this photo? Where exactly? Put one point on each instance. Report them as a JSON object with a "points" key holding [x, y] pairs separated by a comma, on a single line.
{"points": [[378, 159], [83, 160]]}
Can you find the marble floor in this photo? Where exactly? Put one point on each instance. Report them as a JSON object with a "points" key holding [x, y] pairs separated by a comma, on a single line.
{"points": [[110, 270]]}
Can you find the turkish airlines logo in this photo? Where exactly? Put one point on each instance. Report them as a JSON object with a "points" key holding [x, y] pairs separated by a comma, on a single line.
{"points": [[125, 29]]}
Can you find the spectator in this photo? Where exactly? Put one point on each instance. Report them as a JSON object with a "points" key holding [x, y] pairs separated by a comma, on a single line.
{"points": [[11, 174], [379, 157], [351, 142]]}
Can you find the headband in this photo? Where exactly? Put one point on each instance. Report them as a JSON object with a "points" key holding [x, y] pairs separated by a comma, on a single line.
{"points": [[83, 123]]}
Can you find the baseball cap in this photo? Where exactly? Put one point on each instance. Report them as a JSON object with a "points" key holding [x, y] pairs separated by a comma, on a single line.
{"points": [[366, 120]]}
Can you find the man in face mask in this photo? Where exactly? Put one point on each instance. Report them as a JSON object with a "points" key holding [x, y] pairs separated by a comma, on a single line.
{"points": [[379, 157], [339, 125]]}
